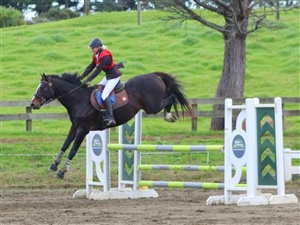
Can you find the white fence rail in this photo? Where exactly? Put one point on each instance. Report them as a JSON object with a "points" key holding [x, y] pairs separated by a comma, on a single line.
{"points": [[289, 169]]}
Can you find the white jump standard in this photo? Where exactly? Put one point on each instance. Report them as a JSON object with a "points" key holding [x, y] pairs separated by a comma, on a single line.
{"points": [[254, 149], [98, 159]]}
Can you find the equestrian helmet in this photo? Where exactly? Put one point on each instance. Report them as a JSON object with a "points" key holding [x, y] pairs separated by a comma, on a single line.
{"points": [[95, 43]]}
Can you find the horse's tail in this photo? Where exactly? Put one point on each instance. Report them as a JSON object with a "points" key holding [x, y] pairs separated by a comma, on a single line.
{"points": [[175, 87]]}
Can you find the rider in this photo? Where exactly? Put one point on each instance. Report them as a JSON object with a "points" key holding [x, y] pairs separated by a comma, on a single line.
{"points": [[103, 60]]}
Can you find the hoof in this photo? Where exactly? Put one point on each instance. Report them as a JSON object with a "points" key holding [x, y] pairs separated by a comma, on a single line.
{"points": [[169, 117], [53, 167], [60, 174]]}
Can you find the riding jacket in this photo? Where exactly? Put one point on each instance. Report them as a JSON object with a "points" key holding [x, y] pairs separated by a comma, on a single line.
{"points": [[102, 60]]}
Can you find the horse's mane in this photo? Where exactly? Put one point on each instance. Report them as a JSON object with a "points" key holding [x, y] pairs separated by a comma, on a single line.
{"points": [[70, 78]]}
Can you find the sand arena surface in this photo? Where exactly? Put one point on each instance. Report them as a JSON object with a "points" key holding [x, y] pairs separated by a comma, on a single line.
{"points": [[172, 207]]}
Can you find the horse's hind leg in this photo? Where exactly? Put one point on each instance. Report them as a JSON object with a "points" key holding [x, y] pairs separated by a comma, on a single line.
{"points": [[68, 141], [159, 104], [168, 116], [166, 104]]}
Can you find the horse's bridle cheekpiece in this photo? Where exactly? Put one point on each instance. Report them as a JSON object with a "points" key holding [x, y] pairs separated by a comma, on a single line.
{"points": [[43, 99]]}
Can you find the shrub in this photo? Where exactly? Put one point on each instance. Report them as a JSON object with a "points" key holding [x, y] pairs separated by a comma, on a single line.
{"points": [[10, 17], [55, 14]]}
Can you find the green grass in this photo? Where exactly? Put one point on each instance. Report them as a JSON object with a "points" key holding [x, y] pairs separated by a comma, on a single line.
{"points": [[193, 53]]}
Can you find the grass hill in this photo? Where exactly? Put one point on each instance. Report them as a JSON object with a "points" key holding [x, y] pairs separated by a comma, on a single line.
{"points": [[192, 52]]}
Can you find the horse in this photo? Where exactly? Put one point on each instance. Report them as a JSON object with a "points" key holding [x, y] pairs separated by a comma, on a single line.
{"points": [[150, 92]]}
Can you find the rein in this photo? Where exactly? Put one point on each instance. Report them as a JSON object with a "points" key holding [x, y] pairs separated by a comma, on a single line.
{"points": [[52, 99]]}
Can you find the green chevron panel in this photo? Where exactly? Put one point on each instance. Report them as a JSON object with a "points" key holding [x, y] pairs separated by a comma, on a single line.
{"points": [[128, 155], [266, 145]]}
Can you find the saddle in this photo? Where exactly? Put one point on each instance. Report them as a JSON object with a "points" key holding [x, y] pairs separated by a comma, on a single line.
{"points": [[119, 95]]}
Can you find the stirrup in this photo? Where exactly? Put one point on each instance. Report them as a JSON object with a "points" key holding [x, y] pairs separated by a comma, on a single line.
{"points": [[109, 121]]}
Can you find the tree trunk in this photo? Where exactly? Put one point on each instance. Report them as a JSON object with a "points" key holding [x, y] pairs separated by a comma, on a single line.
{"points": [[66, 4], [231, 84], [277, 10], [87, 7], [236, 14]]}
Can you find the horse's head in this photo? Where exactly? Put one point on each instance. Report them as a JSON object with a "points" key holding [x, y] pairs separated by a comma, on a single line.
{"points": [[44, 92]]}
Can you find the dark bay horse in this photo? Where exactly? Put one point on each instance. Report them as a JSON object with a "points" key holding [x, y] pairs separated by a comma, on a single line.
{"points": [[151, 92]]}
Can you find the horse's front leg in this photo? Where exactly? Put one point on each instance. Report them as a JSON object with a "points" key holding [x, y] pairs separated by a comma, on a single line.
{"points": [[80, 134], [68, 141]]}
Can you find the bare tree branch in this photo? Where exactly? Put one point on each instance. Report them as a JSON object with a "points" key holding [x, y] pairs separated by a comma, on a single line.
{"points": [[254, 4], [209, 7], [221, 4], [241, 7], [197, 17], [258, 22]]}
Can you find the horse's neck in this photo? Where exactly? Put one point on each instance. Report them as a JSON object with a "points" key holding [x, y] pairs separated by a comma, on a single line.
{"points": [[61, 87], [65, 93]]}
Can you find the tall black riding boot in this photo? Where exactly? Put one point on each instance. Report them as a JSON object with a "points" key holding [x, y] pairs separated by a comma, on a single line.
{"points": [[110, 120]]}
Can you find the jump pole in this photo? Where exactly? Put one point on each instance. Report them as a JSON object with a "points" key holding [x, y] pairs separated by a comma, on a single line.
{"points": [[254, 149], [142, 167], [175, 148], [182, 184], [177, 184]]}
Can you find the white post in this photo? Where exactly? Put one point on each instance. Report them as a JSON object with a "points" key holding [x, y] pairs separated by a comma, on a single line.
{"points": [[227, 161], [279, 146], [106, 160], [287, 165], [137, 154], [121, 185], [251, 147], [89, 168]]}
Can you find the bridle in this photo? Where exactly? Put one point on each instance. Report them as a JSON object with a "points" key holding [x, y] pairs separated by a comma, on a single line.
{"points": [[42, 98], [49, 88]]}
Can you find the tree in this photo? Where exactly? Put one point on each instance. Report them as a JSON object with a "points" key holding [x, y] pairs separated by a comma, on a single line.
{"points": [[86, 7], [40, 6], [236, 14], [68, 3], [16, 4]]}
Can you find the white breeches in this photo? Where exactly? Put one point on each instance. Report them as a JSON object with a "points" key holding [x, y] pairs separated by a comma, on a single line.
{"points": [[109, 86]]}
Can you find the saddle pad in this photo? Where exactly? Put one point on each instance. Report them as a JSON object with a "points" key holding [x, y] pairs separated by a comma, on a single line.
{"points": [[121, 99]]}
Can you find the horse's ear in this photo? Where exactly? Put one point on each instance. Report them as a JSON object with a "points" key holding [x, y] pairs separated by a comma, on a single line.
{"points": [[43, 76]]}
